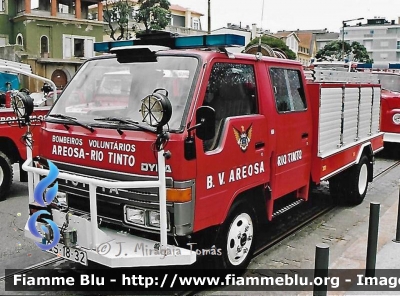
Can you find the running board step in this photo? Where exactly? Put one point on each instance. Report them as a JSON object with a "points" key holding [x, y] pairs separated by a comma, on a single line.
{"points": [[287, 208]]}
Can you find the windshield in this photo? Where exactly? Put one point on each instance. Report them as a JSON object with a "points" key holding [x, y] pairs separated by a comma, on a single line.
{"points": [[107, 88], [390, 81]]}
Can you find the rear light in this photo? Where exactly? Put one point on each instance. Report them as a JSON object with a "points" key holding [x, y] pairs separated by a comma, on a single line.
{"points": [[179, 195]]}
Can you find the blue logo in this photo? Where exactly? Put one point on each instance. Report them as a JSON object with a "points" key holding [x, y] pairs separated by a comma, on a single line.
{"points": [[43, 201]]}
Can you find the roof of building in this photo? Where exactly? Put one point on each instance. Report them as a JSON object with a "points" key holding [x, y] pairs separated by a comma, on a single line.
{"points": [[285, 34], [305, 39]]}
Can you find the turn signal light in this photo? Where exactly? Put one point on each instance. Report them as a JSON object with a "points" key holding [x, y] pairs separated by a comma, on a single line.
{"points": [[179, 195]]}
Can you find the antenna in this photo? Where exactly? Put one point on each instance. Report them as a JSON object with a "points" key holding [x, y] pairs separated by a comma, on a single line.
{"points": [[262, 14], [259, 54]]}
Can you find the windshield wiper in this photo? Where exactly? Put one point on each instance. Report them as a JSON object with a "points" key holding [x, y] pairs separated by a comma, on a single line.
{"points": [[71, 119], [124, 121]]}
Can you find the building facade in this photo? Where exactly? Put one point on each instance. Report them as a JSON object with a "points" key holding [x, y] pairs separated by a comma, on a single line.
{"points": [[380, 37], [53, 36], [184, 21]]}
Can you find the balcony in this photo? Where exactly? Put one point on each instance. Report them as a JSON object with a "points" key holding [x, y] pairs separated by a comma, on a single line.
{"points": [[184, 31]]}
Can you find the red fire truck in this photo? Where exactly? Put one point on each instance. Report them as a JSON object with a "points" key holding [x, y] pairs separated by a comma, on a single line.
{"points": [[12, 137], [389, 78], [189, 150]]}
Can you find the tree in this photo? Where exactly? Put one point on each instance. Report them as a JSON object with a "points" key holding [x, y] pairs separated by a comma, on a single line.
{"points": [[274, 43], [117, 14], [154, 14], [333, 51]]}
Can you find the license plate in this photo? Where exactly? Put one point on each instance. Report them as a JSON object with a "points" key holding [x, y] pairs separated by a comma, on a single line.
{"points": [[69, 253]]}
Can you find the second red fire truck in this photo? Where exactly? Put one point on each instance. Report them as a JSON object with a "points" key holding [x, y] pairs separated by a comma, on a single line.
{"points": [[169, 151], [12, 137]]}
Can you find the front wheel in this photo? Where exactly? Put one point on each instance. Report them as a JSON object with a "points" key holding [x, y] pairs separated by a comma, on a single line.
{"points": [[236, 238], [6, 175]]}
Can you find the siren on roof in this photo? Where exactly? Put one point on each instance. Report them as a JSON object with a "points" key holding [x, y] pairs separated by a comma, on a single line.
{"points": [[170, 40]]}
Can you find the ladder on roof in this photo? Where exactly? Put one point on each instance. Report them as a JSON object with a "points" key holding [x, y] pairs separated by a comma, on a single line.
{"points": [[329, 75], [15, 65]]}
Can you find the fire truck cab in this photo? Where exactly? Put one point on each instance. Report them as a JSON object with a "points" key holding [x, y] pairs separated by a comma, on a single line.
{"points": [[191, 149]]}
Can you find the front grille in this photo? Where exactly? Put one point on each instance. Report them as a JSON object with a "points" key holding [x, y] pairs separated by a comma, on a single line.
{"points": [[105, 209], [110, 202]]}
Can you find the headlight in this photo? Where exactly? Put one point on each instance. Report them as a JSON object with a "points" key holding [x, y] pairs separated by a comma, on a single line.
{"points": [[156, 109], [154, 218], [396, 118], [135, 216], [146, 218]]}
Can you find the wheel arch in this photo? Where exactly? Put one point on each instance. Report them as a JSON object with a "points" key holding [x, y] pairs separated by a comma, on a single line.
{"points": [[253, 197], [366, 149]]}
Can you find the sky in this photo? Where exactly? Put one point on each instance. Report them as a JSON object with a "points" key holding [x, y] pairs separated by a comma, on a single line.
{"points": [[289, 15]]}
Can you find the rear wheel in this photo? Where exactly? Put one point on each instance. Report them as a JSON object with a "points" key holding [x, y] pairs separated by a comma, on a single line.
{"points": [[350, 187], [358, 182], [236, 238], [6, 175]]}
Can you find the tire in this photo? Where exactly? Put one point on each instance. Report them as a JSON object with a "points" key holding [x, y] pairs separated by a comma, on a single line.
{"points": [[337, 188], [350, 187], [236, 238], [358, 182], [6, 175]]}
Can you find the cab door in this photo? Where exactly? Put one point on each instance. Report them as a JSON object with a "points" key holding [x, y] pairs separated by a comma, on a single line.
{"points": [[236, 159], [291, 160]]}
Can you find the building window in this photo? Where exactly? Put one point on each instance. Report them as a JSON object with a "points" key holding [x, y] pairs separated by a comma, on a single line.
{"points": [[77, 46], [44, 46], [398, 44], [20, 5], [35, 5], [2, 5], [196, 25], [66, 7], [19, 40]]}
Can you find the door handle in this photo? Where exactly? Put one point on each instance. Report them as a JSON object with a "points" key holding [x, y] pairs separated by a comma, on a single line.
{"points": [[259, 145], [304, 135]]}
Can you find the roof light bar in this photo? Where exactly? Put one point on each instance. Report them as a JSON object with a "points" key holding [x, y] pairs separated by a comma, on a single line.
{"points": [[228, 40], [184, 42]]}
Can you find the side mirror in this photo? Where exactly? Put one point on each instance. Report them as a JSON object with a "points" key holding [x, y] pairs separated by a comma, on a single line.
{"points": [[205, 123]]}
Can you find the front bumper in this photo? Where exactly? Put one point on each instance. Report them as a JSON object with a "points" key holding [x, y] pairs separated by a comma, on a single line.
{"points": [[119, 249], [391, 137], [90, 238]]}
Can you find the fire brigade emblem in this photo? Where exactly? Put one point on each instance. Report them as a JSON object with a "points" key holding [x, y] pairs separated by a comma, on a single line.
{"points": [[243, 137]]}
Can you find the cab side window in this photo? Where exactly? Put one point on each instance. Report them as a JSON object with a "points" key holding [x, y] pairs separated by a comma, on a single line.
{"points": [[288, 90], [231, 91]]}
